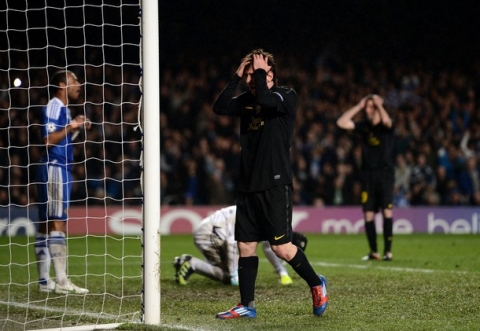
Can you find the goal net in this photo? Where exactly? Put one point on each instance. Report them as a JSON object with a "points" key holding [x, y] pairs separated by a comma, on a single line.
{"points": [[100, 42]]}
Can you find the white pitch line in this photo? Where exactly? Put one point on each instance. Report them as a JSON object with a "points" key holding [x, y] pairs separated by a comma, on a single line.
{"points": [[370, 266], [400, 269], [91, 315]]}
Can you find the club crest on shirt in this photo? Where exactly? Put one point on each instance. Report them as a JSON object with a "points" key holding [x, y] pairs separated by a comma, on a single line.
{"points": [[255, 123], [51, 127], [373, 140]]}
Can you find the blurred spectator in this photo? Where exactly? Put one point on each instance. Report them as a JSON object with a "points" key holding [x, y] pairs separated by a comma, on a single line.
{"points": [[435, 108], [401, 187], [422, 179], [469, 180]]}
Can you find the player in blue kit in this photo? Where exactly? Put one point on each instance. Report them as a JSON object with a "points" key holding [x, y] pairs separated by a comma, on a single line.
{"points": [[54, 183]]}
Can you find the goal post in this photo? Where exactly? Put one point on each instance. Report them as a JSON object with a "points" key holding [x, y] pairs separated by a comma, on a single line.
{"points": [[151, 158], [113, 227]]}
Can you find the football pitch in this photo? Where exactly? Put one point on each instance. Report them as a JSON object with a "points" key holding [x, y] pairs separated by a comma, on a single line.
{"points": [[433, 283]]}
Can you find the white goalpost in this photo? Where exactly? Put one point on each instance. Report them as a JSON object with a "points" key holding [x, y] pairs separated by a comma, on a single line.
{"points": [[113, 226], [151, 187]]}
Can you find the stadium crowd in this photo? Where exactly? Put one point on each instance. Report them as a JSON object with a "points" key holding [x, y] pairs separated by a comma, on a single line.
{"points": [[435, 110], [436, 119], [108, 154]]}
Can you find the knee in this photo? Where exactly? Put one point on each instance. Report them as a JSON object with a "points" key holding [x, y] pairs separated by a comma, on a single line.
{"points": [[247, 249], [57, 225], [387, 213], [285, 251]]}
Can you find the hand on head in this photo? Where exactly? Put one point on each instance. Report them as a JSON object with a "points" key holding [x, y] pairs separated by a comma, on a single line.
{"points": [[260, 62], [377, 100], [245, 62], [363, 102]]}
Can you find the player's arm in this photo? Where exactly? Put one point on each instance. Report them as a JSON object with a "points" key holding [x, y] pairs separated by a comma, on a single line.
{"points": [[346, 120], [226, 104], [55, 137], [386, 120], [265, 97]]}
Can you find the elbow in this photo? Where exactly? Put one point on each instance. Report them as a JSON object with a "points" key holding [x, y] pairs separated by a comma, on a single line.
{"points": [[340, 123], [345, 125]]}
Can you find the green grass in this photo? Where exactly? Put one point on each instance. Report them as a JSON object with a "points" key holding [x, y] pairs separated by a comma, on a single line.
{"points": [[433, 283]]}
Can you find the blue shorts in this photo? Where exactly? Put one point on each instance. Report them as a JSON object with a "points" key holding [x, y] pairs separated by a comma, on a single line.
{"points": [[54, 185]]}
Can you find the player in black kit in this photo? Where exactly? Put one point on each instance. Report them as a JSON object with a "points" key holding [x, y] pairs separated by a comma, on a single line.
{"points": [[376, 135], [264, 200]]}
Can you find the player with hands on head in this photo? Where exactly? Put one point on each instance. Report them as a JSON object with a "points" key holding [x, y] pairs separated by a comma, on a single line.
{"points": [[264, 199], [214, 238], [54, 183], [376, 136]]}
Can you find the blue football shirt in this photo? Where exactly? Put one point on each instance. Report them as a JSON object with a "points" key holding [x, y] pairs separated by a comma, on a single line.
{"points": [[55, 116]]}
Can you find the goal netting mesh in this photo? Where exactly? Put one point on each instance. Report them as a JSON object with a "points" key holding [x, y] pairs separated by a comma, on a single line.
{"points": [[100, 42]]}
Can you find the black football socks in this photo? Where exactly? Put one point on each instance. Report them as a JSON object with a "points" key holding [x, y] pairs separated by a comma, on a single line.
{"points": [[304, 269], [388, 233], [247, 275], [371, 233]]}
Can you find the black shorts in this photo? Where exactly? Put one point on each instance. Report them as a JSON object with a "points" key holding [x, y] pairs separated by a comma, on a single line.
{"points": [[377, 193], [265, 215]]}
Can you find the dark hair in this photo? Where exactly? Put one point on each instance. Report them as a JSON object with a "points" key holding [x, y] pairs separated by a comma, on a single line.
{"points": [[367, 98], [57, 78], [270, 62]]}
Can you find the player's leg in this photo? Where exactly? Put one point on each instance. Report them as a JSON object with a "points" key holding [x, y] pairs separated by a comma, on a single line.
{"points": [[387, 234], [59, 187], [386, 206], [278, 216], [371, 233], [369, 206], [300, 264], [277, 264], [56, 215], [186, 265], [215, 265], [208, 270], [42, 252], [57, 245], [247, 234], [247, 275]]}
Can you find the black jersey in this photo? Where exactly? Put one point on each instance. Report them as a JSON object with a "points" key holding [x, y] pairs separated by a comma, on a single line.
{"points": [[377, 145], [266, 131]]}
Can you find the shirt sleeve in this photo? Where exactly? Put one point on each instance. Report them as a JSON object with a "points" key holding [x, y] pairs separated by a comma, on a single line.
{"points": [[276, 99], [226, 104]]}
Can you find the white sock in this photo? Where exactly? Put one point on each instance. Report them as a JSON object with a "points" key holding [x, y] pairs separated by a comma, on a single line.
{"points": [[42, 255], [58, 250], [275, 261]]}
